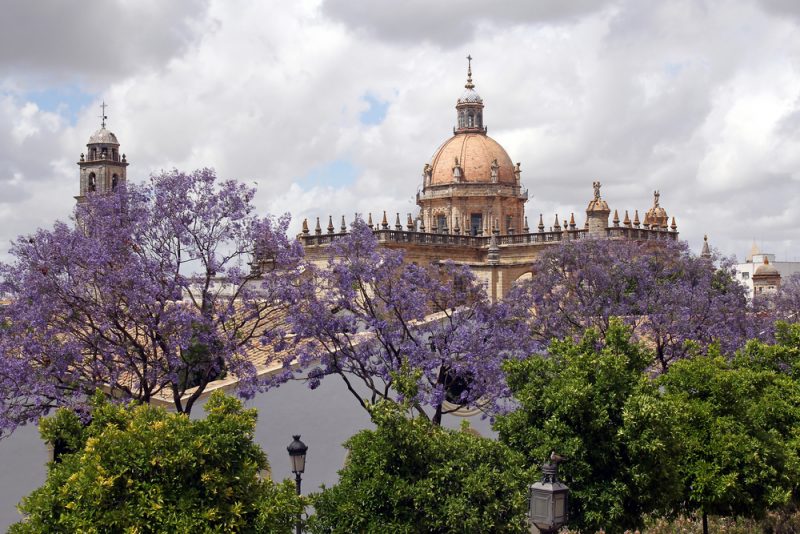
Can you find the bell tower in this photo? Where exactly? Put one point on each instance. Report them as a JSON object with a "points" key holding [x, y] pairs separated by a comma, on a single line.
{"points": [[102, 168]]}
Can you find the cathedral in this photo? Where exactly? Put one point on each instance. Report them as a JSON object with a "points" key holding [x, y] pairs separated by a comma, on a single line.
{"points": [[472, 211], [471, 206]]}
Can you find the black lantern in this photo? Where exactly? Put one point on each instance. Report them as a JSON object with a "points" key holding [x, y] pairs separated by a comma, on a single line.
{"points": [[548, 501], [297, 454]]}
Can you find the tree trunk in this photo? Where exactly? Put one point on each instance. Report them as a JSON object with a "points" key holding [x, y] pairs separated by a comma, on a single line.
{"points": [[705, 522]]}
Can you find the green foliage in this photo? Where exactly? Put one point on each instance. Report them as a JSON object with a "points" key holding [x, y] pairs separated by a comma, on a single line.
{"points": [[593, 403], [139, 469], [410, 476], [739, 422]]}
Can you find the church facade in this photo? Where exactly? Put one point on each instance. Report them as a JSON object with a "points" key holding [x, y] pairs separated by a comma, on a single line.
{"points": [[472, 211], [471, 206]]}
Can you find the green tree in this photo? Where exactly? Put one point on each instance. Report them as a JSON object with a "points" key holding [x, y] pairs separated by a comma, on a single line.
{"points": [[409, 476], [739, 422], [593, 402], [139, 469]]}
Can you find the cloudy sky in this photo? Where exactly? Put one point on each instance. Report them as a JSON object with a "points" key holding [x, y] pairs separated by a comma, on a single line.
{"points": [[334, 106]]}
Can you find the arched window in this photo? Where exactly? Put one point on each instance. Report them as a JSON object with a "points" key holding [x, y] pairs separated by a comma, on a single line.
{"points": [[92, 182], [94, 153], [470, 120], [114, 182]]}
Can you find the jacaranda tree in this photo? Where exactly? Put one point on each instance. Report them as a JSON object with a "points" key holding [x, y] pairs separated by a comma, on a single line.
{"points": [[374, 316], [663, 291], [157, 289]]}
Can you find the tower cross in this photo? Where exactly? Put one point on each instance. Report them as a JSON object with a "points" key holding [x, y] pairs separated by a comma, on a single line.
{"points": [[103, 117]]}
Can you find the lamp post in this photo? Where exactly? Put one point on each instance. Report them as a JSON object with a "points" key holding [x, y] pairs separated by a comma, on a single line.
{"points": [[297, 454], [548, 506]]}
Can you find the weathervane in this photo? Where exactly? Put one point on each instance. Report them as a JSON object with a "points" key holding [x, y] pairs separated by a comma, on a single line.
{"points": [[103, 117]]}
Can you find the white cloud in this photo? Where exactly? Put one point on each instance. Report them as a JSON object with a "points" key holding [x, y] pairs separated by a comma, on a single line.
{"points": [[697, 99]]}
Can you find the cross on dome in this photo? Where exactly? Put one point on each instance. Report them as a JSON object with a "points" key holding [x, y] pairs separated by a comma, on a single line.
{"points": [[103, 117]]}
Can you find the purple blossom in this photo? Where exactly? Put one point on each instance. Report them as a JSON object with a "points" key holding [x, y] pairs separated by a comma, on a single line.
{"points": [[374, 317], [153, 291], [668, 295]]}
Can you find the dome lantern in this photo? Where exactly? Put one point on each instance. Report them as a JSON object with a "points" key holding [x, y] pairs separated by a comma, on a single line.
{"points": [[469, 108]]}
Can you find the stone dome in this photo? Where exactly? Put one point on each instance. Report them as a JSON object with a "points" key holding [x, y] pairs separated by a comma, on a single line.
{"points": [[470, 95], [476, 153], [766, 269], [103, 136]]}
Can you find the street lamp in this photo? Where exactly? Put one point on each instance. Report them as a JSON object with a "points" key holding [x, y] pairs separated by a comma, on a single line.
{"points": [[548, 506], [297, 454]]}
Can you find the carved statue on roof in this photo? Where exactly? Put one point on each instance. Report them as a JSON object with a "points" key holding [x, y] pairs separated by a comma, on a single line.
{"points": [[596, 186], [427, 172], [457, 171], [656, 196]]}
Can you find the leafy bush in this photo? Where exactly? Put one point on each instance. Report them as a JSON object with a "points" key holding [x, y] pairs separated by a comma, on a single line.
{"points": [[408, 475], [139, 469]]}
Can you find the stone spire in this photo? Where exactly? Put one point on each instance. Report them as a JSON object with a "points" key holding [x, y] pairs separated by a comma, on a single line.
{"points": [[706, 252]]}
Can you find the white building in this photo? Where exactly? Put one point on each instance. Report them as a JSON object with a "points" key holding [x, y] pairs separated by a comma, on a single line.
{"points": [[757, 259]]}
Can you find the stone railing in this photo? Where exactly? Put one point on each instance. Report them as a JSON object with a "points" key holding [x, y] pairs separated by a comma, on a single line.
{"points": [[643, 234], [387, 235]]}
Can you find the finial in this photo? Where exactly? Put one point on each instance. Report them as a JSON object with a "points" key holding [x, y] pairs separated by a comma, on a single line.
{"points": [[706, 251], [305, 226], [384, 222], [636, 222], [674, 225], [469, 84], [410, 223], [627, 221], [330, 224], [318, 229], [527, 228], [369, 221], [103, 117], [572, 221], [397, 225], [556, 226], [616, 218], [541, 223], [343, 228]]}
